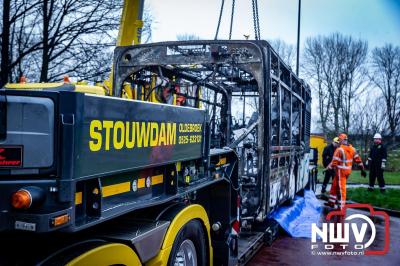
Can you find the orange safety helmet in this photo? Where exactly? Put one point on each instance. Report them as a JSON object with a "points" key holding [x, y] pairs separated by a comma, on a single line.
{"points": [[66, 79], [22, 79], [342, 136]]}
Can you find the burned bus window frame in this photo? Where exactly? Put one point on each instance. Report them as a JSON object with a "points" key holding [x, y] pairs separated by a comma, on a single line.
{"points": [[285, 120], [275, 113], [296, 120]]}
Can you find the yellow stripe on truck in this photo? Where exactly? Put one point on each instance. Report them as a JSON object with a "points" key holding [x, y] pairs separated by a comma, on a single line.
{"points": [[141, 182], [157, 179], [78, 198], [112, 190]]}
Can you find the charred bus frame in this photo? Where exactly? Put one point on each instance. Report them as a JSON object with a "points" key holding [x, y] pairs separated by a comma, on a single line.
{"points": [[236, 69]]}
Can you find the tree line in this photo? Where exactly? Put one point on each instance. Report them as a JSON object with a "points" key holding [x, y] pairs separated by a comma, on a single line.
{"points": [[46, 39], [357, 90]]}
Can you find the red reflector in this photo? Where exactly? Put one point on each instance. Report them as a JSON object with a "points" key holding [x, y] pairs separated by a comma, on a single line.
{"points": [[21, 199]]}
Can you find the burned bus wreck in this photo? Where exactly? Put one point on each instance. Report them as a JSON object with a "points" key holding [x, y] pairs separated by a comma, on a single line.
{"points": [[254, 103]]}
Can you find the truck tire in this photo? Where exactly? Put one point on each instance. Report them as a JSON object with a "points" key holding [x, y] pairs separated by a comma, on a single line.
{"points": [[189, 247]]}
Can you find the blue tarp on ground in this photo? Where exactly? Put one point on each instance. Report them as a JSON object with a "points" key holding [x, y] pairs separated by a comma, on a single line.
{"points": [[297, 218]]}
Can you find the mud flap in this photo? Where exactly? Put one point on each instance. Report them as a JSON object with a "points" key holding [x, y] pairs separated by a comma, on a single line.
{"points": [[226, 252]]}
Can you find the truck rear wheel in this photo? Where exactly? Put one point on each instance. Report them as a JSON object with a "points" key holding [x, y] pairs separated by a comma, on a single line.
{"points": [[189, 247]]}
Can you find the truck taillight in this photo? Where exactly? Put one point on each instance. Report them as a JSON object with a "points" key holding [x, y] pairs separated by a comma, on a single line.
{"points": [[27, 197], [21, 199]]}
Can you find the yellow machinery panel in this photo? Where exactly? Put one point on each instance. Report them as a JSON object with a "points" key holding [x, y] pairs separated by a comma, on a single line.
{"points": [[318, 142]]}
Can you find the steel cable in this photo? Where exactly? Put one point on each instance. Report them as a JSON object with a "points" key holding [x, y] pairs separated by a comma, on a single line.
{"points": [[219, 19], [232, 14]]}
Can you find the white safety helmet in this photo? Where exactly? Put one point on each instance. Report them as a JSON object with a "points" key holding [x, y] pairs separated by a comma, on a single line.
{"points": [[377, 136]]}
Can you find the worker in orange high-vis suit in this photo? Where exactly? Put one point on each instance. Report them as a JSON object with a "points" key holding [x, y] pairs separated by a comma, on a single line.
{"points": [[342, 162]]}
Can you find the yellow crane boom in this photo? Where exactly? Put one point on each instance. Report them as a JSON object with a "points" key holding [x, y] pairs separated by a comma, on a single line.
{"points": [[130, 29]]}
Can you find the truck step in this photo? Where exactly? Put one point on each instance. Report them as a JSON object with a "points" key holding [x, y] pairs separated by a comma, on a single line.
{"points": [[249, 244]]}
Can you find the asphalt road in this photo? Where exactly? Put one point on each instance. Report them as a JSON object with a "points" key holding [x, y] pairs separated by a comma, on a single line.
{"points": [[290, 251]]}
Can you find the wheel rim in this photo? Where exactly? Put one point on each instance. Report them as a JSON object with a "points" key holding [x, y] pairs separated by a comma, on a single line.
{"points": [[186, 254]]}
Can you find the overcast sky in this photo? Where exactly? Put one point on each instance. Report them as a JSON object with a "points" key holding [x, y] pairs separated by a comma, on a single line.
{"points": [[377, 21]]}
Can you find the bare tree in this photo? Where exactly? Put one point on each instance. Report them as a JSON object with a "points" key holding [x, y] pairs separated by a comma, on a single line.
{"points": [[148, 24], [285, 51], [354, 78], [17, 15], [368, 118], [5, 41], [386, 76], [313, 68], [46, 39], [71, 28], [40, 35], [335, 64]]}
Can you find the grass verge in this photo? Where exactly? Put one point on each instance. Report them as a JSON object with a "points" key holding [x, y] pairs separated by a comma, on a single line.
{"points": [[388, 200], [394, 160], [391, 178]]}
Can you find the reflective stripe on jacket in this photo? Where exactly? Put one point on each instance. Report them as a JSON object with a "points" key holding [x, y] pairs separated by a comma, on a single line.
{"points": [[343, 159]]}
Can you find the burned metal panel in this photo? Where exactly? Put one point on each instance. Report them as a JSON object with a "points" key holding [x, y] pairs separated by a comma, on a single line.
{"points": [[243, 54]]}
